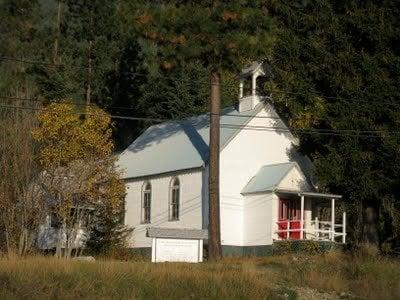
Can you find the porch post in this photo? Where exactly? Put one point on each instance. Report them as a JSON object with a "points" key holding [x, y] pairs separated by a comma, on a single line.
{"points": [[253, 85], [288, 230], [344, 228], [302, 217], [333, 220]]}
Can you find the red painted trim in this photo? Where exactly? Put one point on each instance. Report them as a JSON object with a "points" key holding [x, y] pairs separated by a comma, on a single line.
{"points": [[289, 210]]}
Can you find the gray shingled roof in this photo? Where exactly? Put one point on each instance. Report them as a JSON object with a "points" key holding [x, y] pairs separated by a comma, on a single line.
{"points": [[179, 145], [268, 178], [179, 233]]}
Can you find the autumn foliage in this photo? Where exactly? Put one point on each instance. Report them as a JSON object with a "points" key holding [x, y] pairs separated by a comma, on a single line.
{"points": [[65, 135], [79, 174]]}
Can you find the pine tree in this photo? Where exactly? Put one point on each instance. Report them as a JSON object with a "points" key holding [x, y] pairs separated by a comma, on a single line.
{"points": [[109, 235], [18, 36], [83, 39], [218, 34], [340, 63]]}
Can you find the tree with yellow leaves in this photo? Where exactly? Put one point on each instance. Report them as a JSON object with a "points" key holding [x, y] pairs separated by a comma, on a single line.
{"points": [[78, 175]]}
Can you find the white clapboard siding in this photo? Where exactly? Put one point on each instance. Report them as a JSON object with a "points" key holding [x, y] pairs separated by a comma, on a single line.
{"points": [[240, 161], [190, 205]]}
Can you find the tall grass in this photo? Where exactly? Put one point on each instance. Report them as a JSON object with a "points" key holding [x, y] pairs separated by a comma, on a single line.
{"points": [[51, 278], [234, 278], [355, 275]]}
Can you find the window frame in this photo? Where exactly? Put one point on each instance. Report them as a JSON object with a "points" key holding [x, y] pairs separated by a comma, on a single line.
{"points": [[174, 199], [54, 221], [146, 203]]}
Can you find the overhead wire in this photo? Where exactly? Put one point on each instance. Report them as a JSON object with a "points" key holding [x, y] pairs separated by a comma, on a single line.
{"points": [[33, 62], [89, 114], [271, 90], [355, 133], [121, 107], [164, 120], [247, 127], [44, 101]]}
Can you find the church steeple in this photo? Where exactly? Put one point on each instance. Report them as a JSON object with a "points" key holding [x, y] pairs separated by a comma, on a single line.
{"points": [[249, 87]]}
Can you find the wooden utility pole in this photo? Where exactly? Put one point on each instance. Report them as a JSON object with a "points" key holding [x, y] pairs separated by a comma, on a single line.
{"points": [[89, 88], [55, 54], [91, 36], [214, 233]]}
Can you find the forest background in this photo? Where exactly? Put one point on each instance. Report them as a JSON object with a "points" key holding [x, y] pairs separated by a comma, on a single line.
{"points": [[334, 77]]}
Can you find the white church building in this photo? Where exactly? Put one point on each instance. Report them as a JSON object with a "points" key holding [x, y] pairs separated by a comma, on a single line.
{"points": [[266, 191]]}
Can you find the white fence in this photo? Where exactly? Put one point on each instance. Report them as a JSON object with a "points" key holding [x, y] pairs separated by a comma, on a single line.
{"points": [[315, 230]]}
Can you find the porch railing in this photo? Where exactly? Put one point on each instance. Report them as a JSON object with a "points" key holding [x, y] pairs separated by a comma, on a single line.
{"points": [[314, 230]]}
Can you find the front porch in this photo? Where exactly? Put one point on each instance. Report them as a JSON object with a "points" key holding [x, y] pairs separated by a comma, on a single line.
{"points": [[310, 216]]}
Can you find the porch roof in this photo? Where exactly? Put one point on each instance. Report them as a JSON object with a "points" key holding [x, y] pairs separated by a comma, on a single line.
{"points": [[268, 178], [308, 194]]}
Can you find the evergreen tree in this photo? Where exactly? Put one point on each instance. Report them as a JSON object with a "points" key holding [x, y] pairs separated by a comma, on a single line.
{"points": [[221, 35], [18, 39], [337, 65], [218, 35], [109, 235], [83, 39]]}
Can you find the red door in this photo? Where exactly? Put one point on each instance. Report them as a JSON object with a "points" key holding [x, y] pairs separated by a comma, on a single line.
{"points": [[295, 235], [289, 211], [282, 225]]}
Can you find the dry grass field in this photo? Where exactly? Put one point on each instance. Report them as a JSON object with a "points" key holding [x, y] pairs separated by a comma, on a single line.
{"points": [[330, 276]]}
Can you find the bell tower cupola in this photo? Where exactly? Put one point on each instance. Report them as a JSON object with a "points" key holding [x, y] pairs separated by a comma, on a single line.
{"points": [[251, 83]]}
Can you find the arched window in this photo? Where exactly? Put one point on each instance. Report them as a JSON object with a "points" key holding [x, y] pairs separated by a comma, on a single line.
{"points": [[174, 196], [146, 202]]}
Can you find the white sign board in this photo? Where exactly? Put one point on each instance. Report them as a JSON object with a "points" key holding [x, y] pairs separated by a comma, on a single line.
{"points": [[177, 250]]}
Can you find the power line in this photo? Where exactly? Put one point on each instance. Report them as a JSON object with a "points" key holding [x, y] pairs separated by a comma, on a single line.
{"points": [[164, 120], [43, 101], [329, 132], [18, 98], [303, 132], [52, 65], [145, 75], [132, 108], [134, 118], [310, 131], [314, 129], [127, 108], [46, 64], [121, 107], [88, 114], [279, 91]]}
